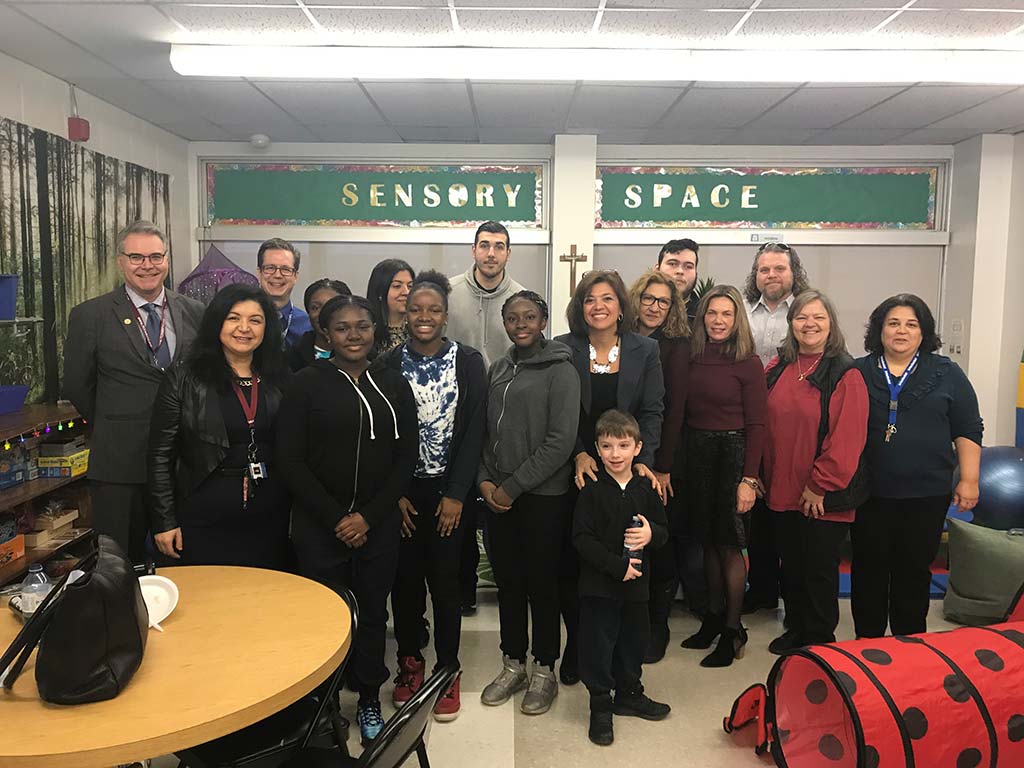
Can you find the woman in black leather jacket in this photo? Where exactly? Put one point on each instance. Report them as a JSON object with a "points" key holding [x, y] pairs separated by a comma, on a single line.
{"points": [[214, 494]]}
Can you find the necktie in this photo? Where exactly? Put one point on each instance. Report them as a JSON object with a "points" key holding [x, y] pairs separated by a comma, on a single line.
{"points": [[162, 354]]}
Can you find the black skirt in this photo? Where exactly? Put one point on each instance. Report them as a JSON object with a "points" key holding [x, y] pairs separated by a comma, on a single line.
{"points": [[714, 467]]}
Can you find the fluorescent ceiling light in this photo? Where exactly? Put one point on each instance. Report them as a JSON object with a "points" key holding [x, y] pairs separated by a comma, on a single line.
{"points": [[604, 64]]}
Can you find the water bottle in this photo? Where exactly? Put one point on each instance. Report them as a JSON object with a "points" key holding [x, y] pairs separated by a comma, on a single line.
{"points": [[634, 554], [34, 589]]}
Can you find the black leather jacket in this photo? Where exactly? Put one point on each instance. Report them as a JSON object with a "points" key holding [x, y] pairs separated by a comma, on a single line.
{"points": [[187, 441]]}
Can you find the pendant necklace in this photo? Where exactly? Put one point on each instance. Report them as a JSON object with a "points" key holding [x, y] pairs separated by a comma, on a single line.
{"points": [[804, 374]]}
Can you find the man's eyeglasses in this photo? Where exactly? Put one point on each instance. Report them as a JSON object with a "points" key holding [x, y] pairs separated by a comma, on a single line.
{"points": [[270, 269], [138, 259], [649, 301]]}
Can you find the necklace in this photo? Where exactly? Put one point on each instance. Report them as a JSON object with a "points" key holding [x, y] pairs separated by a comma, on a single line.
{"points": [[613, 355], [804, 374], [246, 381]]}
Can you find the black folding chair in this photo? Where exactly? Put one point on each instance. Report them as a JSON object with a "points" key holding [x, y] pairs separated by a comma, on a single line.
{"points": [[404, 734], [271, 741]]}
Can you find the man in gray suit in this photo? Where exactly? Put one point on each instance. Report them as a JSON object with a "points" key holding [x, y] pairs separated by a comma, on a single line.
{"points": [[117, 348]]}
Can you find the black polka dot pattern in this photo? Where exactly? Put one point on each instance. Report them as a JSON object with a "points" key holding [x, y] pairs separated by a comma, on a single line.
{"points": [[847, 683], [871, 757], [816, 692], [1014, 634], [969, 758], [907, 639], [1015, 728], [876, 656], [783, 735], [989, 660], [955, 689], [916, 722], [831, 747]]}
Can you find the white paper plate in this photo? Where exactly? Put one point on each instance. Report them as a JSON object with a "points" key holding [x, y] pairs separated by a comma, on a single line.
{"points": [[161, 596]]}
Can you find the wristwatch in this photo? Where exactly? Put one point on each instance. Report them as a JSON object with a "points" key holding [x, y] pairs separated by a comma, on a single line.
{"points": [[752, 483]]}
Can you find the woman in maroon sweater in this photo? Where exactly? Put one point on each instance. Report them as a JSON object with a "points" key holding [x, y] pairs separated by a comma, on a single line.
{"points": [[725, 412], [817, 425], [661, 315]]}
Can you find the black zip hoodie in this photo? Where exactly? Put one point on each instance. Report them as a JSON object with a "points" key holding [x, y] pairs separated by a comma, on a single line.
{"points": [[344, 447], [603, 512]]}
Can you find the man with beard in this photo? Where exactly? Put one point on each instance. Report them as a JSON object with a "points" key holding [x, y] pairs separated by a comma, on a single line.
{"points": [[678, 260], [775, 278]]}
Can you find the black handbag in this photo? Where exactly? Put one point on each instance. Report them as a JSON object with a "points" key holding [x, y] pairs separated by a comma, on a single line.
{"points": [[91, 632]]}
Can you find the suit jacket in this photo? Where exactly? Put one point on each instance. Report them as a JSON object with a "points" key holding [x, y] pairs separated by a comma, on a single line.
{"points": [[640, 389], [110, 379]]}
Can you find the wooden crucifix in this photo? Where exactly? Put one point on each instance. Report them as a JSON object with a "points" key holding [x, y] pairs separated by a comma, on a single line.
{"points": [[573, 258]]}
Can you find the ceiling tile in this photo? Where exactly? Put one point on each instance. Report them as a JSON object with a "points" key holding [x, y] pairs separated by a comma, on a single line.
{"points": [[424, 104], [754, 135], [639, 29], [998, 114], [840, 136], [619, 106], [517, 134], [137, 98], [810, 24], [138, 43], [590, 4], [278, 129], [224, 102], [28, 40], [823, 107], [229, 25], [1003, 4], [722, 107], [921, 105], [354, 133], [397, 25], [690, 136], [522, 105], [890, 5], [951, 25], [527, 26], [437, 133], [312, 4], [196, 129], [322, 102], [683, 5]]}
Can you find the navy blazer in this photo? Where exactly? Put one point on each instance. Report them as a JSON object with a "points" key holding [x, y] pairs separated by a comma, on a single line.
{"points": [[641, 386]]}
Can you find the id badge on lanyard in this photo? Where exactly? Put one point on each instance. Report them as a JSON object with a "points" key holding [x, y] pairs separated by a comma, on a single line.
{"points": [[894, 391], [257, 470]]}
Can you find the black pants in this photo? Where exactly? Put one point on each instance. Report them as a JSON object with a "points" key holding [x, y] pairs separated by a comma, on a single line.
{"points": [[810, 559], [569, 588], [894, 544], [473, 513], [369, 572], [526, 544], [427, 558], [119, 511], [613, 637], [763, 552]]}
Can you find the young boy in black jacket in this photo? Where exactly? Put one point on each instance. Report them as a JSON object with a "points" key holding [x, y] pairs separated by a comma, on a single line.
{"points": [[614, 621]]}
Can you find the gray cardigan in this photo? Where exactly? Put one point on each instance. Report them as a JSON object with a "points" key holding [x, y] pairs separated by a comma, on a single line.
{"points": [[532, 416]]}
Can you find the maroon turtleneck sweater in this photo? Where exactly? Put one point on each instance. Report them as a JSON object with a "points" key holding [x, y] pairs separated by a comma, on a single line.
{"points": [[725, 394]]}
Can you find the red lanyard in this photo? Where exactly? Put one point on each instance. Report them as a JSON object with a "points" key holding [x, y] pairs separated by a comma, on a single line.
{"points": [[145, 333], [249, 406]]}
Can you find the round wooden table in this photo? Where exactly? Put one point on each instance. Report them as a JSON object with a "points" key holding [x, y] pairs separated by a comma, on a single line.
{"points": [[242, 644]]}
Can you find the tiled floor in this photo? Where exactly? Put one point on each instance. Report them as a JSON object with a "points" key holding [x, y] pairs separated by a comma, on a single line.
{"points": [[502, 737]]}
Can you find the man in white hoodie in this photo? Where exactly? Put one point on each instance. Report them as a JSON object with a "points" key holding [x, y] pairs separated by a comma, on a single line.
{"points": [[474, 305]]}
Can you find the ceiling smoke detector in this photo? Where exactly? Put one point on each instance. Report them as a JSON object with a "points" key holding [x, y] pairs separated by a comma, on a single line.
{"points": [[260, 140]]}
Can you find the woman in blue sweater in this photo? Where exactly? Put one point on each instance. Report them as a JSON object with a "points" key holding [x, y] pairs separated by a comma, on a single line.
{"points": [[921, 406]]}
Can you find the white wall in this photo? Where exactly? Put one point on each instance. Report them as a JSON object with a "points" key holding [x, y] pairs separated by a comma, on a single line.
{"points": [[37, 99], [1013, 304]]}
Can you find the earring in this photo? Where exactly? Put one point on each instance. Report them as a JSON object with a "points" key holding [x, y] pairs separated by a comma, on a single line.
{"points": [[620, 317]]}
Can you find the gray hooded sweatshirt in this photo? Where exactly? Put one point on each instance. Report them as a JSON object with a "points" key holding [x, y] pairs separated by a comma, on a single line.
{"points": [[533, 410], [474, 315]]}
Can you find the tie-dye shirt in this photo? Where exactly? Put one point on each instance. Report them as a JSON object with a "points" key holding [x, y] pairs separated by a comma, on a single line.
{"points": [[436, 391]]}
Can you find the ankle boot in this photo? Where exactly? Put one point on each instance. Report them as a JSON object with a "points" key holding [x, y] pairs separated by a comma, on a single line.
{"points": [[600, 731], [710, 628], [659, 607], [731, 645]]}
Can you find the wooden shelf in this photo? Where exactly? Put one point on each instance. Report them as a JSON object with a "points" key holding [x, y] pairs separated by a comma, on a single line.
{"points": [[16, 569], [19, 494], [31, 416]]}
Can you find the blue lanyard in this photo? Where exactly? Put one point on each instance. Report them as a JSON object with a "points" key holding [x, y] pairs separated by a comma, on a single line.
{"points": [[894, 390]]}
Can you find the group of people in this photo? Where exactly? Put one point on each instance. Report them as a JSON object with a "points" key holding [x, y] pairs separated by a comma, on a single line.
{"points": [[361, 440]]}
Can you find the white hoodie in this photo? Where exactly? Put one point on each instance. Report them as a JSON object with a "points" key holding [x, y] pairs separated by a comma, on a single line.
{"points": [[474, 315]]}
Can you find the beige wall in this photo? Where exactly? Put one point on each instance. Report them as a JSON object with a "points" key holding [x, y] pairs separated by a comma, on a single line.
{"points": [[37, 99]]}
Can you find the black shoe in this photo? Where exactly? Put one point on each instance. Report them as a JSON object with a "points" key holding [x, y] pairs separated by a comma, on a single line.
{"points": [[469, 610], [731, 645], [638, 704], [658, 644], [752, 603], [569, 674], [601, 732], [710, 628], [787, 641]]}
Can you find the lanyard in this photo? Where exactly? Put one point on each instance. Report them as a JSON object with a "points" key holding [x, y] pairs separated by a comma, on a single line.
{"points": [[894, 390], [145, 333], [287, 327], [249, 406]]}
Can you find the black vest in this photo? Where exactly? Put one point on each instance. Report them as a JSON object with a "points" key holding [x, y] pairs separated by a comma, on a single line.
{"points": [[825, 378]]}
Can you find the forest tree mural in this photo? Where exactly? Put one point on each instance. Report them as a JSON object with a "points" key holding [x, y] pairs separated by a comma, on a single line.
{"points": [[61, 206]]}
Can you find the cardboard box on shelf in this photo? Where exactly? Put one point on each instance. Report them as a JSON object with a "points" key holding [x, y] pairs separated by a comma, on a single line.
{"points": [[67, 447], [12, 474], [48, 523], [13, 549], [81, 458]]}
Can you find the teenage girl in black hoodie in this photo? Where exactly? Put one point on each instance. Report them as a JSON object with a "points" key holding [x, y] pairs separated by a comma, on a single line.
{"points": [[347, 444]]}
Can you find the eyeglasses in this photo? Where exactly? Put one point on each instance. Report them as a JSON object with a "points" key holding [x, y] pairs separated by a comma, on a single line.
{"points": [[774, 247], [270, 269], [138, 259], [649, 301]]}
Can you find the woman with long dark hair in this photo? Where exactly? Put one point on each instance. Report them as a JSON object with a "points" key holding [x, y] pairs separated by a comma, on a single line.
{"points": [[315, 344], [216, 495], [347, 442], [923, 423], [387, 290]]}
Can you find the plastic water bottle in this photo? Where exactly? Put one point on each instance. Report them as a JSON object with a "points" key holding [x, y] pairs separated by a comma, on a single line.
{"points": [[634, 554], [34, 589]]}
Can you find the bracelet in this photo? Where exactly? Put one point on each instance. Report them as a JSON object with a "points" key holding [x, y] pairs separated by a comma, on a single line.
{"points": [[752, 483]]}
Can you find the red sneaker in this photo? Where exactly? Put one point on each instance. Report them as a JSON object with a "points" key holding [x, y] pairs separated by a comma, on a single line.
{"points": [[447, 708], [408, 680]]}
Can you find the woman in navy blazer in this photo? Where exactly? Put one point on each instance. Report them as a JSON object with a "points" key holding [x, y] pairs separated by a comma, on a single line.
{"points": [[618, 369]]}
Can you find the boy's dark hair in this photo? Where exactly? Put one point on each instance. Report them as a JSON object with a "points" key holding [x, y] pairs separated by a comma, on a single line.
{"points": [[678, 246], [616, 423], [495, 228]]}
